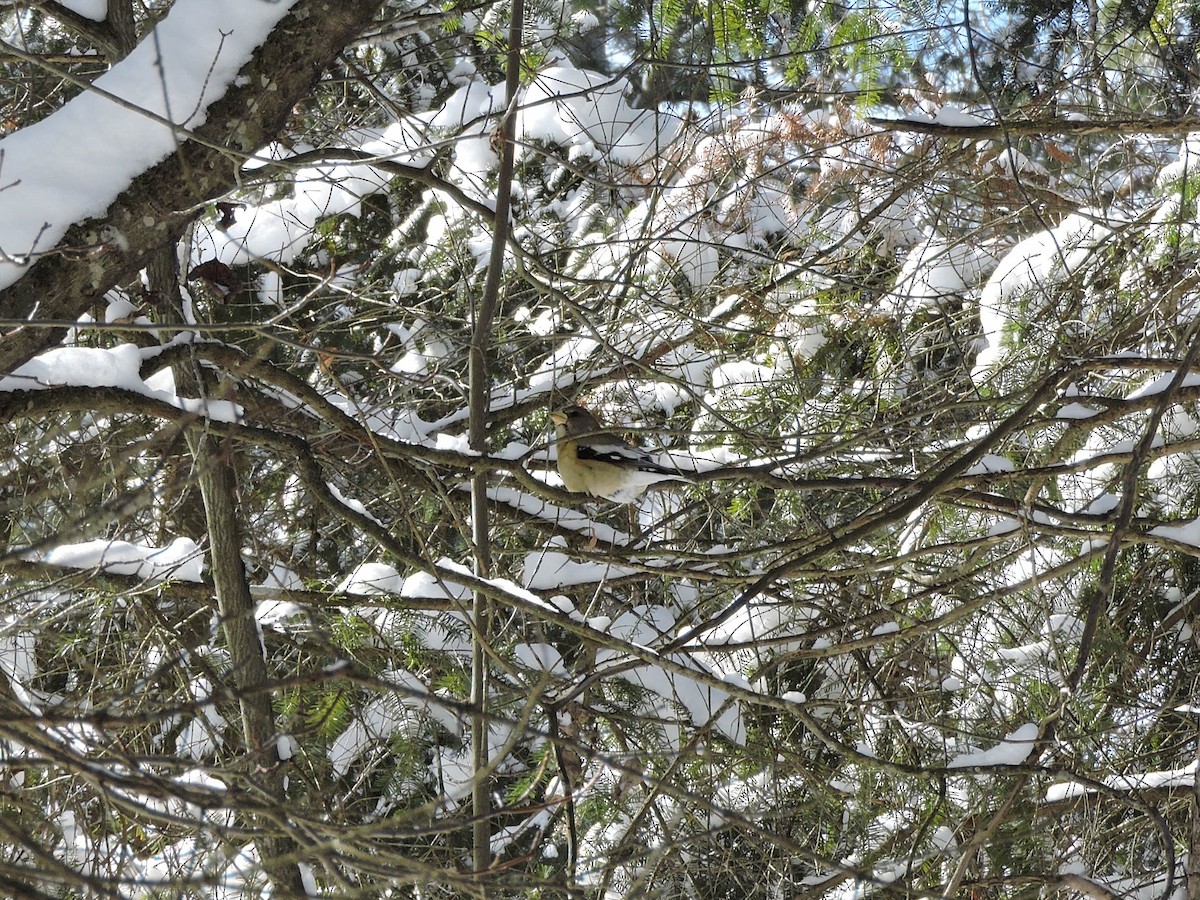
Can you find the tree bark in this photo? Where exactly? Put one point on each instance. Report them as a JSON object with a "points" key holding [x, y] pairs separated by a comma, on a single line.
{"points": [[480, 394], [235, 607], [114, 36], [159, 204], [217, 479], [1193, 855]]}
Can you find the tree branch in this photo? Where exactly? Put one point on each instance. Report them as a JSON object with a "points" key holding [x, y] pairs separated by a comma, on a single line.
{"points": [[160, 202], [1051, 125], [111, 34]]}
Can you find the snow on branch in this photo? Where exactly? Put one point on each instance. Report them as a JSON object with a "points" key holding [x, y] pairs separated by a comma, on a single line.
{"points": [[133, 115], [212, 69], [1058, 125]]}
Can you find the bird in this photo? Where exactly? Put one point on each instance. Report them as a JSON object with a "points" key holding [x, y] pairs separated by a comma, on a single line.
{"points": [[593, 460]]}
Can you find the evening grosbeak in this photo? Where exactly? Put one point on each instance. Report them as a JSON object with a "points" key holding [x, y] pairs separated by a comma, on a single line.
{"points": [[593, 460]]}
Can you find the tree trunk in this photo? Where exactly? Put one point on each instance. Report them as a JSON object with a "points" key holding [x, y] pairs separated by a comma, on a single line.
{"points": [[217, 478]]}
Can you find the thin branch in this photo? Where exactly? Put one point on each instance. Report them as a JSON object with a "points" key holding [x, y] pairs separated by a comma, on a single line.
{"points": [[1053, 125]]}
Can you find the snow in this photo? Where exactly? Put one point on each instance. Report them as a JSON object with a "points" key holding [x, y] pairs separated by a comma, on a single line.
{"points": [[276, 613], [1034, 265], [351, 503], [96, 10], [544, 657], [548, 569], [1102, 505], [200, 736], [72, 165], [587, 111], [802, 331], [286, 747], [371, 578], [954, 115], [424, 586], [1075, 411], [1140, 781], [116, 367], [121, 309], [943, 838], [1183, 532], [180, 560], [704, 703], [1160, 384], [279, 229], [1014, 750], [505, 836], [406, 281], [570, 519], [743, 375], [1005, 525], [949, 114], [18, 662], [688, 234], [380, 719], [934, 271], [753, 621], [85, 366], [991, 464], [280, 577]]}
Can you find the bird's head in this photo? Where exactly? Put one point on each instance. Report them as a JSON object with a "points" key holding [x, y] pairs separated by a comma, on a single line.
{"points": [[575, 420]]}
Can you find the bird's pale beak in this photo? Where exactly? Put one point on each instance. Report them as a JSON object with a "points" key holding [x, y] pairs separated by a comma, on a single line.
{"points": [[558, 418]]}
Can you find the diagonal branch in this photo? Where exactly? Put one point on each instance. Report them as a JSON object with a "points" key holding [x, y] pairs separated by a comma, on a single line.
{"points": [[1051, 125], [160, 202]]}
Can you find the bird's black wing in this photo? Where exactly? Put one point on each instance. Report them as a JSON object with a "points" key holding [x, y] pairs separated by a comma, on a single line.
{"points": [[624, 455]]}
